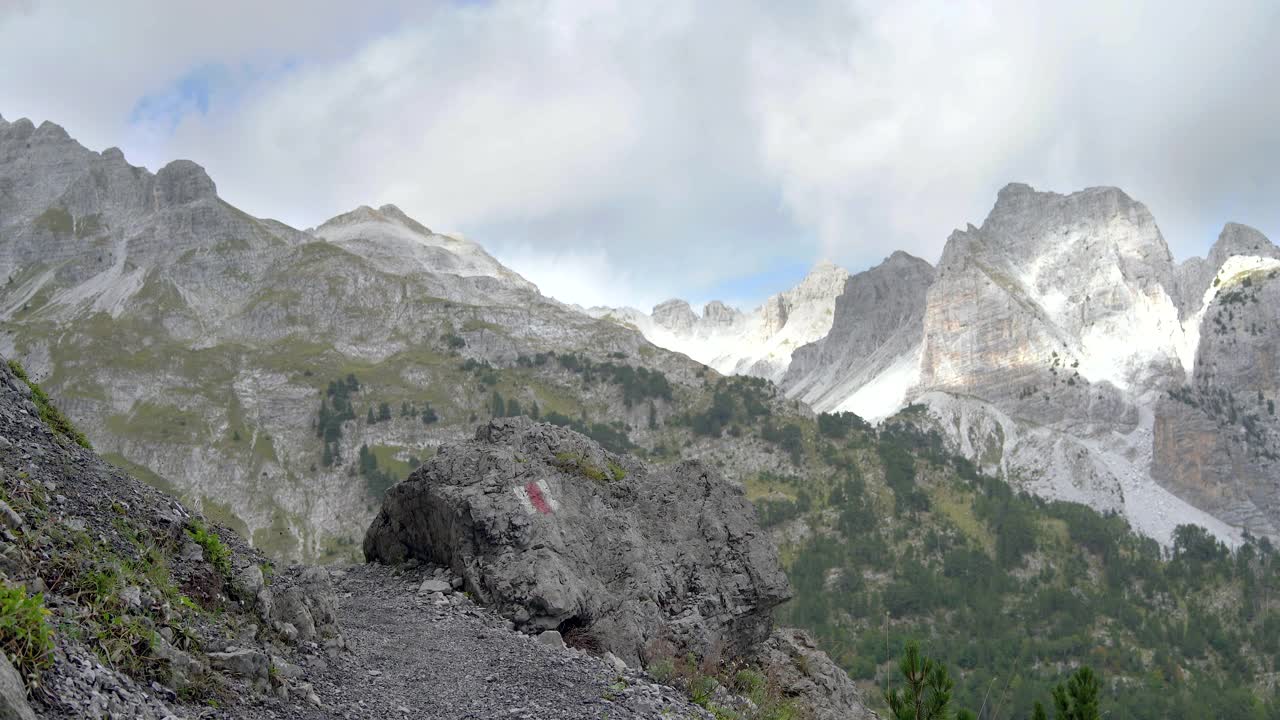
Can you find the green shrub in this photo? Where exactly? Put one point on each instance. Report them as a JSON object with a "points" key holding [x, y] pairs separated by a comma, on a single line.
{"points": [[216, 553], [50, 414], [25, 634]]}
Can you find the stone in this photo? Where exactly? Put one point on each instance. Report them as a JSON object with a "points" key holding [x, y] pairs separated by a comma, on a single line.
{"points": [[13, 693], [565, 538], [246, 662], [434, 586], [615, 662], [10, 517], [552, 639]]}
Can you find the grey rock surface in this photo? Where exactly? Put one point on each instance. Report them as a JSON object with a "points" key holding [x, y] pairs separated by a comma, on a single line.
{"points": [[812, 677], [1217, 439], [878, 321], [558, 534], [13, 693]]}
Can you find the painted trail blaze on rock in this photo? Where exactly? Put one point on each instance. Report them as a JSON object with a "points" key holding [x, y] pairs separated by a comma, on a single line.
{"points": [[536, 497]]}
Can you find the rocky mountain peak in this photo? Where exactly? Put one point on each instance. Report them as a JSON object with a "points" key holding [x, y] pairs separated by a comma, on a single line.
{"points": [[1237, 239], [50, 132], [674, 314], [869, 359], [718, 313], [398, 244], [183, 181]]}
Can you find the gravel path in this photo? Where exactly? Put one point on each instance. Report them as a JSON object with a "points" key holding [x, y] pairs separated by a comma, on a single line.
{"points": [[415, 655]]}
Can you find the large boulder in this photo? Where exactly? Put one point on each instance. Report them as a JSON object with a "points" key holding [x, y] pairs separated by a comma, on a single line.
{"points": [[559, 534]]}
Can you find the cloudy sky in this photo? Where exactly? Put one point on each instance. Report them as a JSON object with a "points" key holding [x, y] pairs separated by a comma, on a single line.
{"points": [[625, 152]]}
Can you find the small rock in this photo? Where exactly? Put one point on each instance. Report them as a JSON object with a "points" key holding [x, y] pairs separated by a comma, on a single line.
{"points": [[615, 662], [249, 663], [10, 517], [434, 586], [132, 596], [552, 638]]}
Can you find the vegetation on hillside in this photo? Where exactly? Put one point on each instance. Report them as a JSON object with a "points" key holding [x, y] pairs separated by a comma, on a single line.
{"points": [[908, 542]]}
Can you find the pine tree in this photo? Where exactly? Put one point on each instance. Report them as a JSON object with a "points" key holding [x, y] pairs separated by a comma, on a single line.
{"points": [[497, 406], [653, 416], [384, 412], [534, 412], [327, 459], [513, 407], [371, 419], [1039, 713], [1078, 699], [927, 695], [429, 415]]}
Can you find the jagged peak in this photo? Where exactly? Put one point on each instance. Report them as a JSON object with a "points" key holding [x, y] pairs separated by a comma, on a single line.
{"points": [[364, 214], [184, 181], [903, 258], [1239, 239], [673, 303], [23, 126], [51, 131]]}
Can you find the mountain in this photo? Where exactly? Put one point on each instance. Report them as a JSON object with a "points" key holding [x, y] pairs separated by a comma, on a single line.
{"points": [[758, 343], [870, 358], [1051, 346], [278, 379]]}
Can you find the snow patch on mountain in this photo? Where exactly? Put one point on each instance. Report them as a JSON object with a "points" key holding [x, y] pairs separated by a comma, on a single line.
{"points": [[887, 392]]}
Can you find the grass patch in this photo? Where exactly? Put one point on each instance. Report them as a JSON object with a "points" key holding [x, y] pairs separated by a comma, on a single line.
{"points": [[25, 634], [573, 462], [49, 413], [56, 220]]}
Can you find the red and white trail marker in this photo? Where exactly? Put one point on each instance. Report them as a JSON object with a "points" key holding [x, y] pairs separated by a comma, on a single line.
{"points": [[535, 497]]}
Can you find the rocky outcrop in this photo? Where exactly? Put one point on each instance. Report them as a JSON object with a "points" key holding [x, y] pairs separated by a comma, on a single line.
{"points": [[870, 358], [561, 535], [811, 676]]}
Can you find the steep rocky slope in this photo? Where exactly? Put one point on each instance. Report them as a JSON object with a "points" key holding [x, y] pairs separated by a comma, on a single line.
{"points": [[758, 343], [118, 601]]}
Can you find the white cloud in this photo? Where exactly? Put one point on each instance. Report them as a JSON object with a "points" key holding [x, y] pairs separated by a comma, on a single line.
{"points": [[660, 148]]}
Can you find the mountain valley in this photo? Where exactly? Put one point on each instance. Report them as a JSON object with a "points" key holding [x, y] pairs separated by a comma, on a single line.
{"points": [[1057, 424]]}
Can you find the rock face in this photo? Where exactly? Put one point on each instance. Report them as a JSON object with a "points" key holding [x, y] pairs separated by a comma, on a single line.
{"points": [[544, 524], [1217, 439], [871, 357], [760, 342]]}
